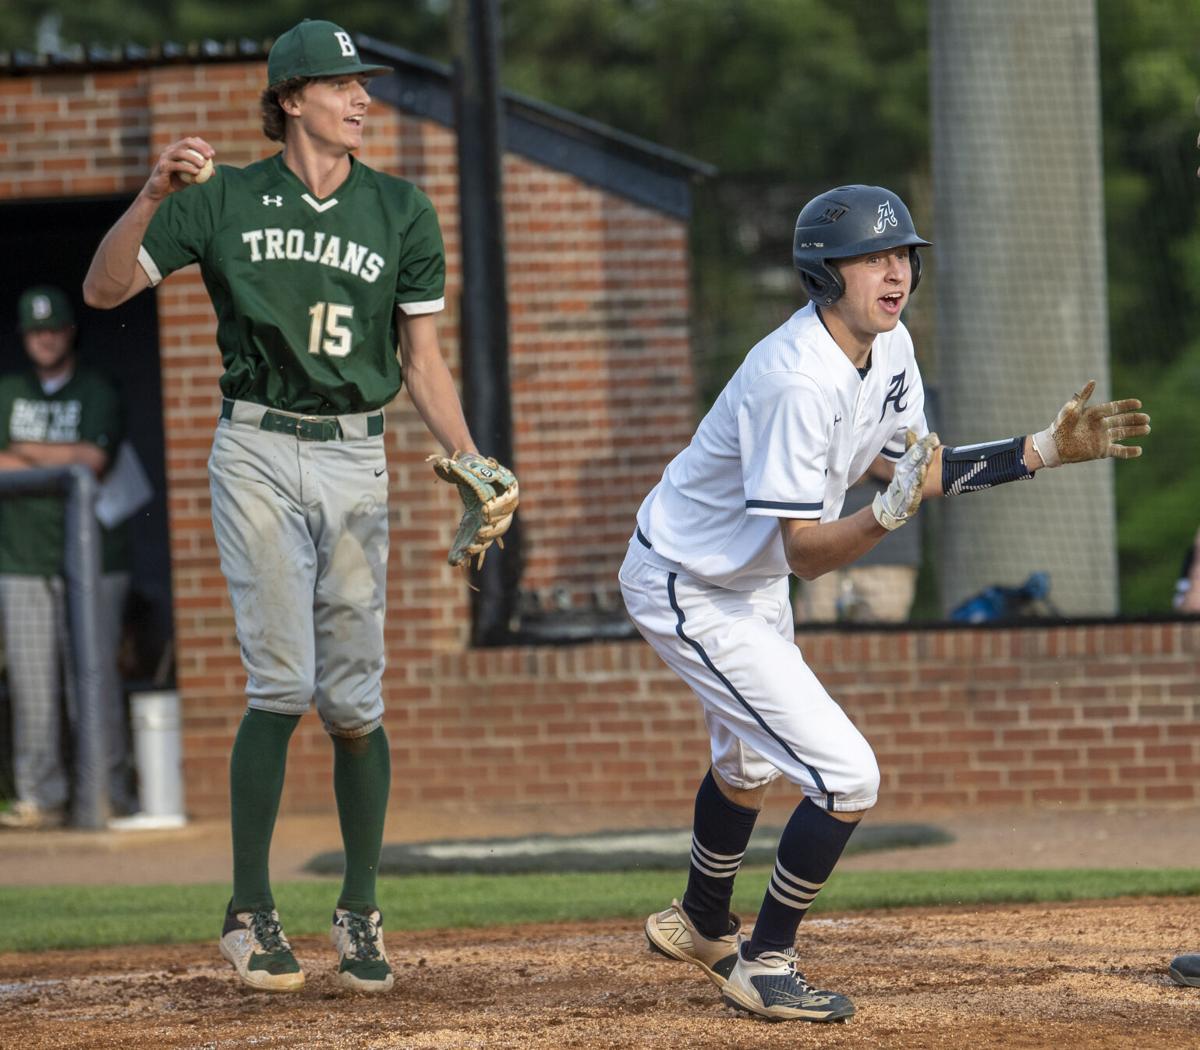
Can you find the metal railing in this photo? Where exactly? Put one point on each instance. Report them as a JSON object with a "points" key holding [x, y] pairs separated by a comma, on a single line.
{"points": [[81, 572]]}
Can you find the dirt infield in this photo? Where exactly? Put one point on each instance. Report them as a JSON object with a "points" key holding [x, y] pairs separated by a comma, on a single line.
{"points": [[1074, 977]]}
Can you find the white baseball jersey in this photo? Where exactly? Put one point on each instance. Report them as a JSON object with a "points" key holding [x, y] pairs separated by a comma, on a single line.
{"points": [[792, 430]]}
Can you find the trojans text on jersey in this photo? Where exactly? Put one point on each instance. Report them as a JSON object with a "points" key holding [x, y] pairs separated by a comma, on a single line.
{"points": [[327, 250]]}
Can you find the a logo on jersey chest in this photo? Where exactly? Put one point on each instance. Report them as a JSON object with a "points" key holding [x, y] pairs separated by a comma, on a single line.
{"points": [[34, 420], [897, 392], [268, 199]]}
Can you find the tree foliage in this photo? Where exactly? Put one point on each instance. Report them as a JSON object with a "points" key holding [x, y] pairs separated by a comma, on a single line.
{"points": [[1148, 62], [417, 24]]}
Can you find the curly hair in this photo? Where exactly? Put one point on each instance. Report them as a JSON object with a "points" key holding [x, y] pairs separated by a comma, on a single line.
{"points": [[274, 120]]}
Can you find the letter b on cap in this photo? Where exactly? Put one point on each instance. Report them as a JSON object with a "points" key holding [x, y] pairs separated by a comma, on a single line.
{"points": [[343, 38]]}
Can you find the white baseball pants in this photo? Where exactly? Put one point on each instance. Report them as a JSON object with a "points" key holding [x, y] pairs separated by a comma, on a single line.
{"points": [[766, 712]]}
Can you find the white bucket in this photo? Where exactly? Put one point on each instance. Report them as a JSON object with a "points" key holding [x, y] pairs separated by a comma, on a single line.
{"points": [[158, 751]]}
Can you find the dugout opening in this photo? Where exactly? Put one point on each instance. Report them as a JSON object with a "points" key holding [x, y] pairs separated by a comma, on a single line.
{"points": [[52, 242]]}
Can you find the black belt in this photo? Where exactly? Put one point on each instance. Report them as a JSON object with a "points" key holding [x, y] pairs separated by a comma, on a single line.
{"points": [[642, 538], [305, 428]]}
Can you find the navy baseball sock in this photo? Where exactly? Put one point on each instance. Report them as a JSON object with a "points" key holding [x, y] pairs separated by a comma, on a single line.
{"points": [[720, 833], [809, 848], [256, 770], [362, 777]]}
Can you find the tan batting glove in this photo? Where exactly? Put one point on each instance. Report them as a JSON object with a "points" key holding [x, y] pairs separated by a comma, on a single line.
{"points": [[1079, 434], [899, 503]]}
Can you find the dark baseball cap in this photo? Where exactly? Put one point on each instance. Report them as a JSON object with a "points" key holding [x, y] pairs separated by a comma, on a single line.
{"points": [[316, 49], [44, 307]]}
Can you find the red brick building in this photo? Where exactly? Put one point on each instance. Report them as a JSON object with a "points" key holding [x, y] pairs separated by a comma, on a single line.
{"points": [[602, 391]]}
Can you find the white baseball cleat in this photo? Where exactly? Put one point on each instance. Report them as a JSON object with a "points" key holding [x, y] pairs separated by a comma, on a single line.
{"points": [[673, 934], [362, 961], [254, 942]]}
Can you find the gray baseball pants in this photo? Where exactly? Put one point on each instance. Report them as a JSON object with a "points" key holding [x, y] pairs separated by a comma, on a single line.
{"points": [[303, 534], [37, 653]]}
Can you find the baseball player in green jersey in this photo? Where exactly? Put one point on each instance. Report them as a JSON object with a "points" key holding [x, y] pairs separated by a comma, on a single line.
{"points": [[54, 414], [318, 268]]}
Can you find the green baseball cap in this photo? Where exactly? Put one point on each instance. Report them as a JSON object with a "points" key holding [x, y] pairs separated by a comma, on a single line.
{"points": [[316, 49], [44, 307]]}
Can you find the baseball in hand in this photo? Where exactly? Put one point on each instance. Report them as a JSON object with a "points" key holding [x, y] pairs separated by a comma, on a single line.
{"points": [[204, 174]]}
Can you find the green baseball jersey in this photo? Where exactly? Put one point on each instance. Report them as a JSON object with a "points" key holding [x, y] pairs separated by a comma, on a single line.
{"points": [[305, 290], [87, 409]]}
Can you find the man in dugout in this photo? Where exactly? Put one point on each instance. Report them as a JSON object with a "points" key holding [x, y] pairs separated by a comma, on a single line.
{"points": [[55, 413]]}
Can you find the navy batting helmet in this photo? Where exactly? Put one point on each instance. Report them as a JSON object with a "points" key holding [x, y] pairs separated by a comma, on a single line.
{"points": [[849, 221]]}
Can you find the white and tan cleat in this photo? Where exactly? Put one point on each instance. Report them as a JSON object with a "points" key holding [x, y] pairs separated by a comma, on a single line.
{"points": [[254, 943], [673, 934], [362, 961]]}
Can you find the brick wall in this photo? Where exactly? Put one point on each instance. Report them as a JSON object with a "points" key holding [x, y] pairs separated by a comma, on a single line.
{"points": [[73, 135], [1080, 716], [602, 395], [1083, 716]]}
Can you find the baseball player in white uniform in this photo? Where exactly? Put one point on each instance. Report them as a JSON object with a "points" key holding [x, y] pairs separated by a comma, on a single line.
{"points": [[756, 496]]}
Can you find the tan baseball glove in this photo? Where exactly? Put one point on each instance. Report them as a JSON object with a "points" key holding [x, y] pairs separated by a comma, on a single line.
{"points": [[490, 496]]}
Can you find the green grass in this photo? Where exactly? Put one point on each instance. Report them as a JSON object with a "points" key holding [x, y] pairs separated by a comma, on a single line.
{"points": [[95, 916]]}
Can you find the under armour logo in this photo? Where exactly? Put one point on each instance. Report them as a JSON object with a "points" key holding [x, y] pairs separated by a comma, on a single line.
{"points": [[887, 217], [836, 419], [347, 44], [277, 201], [897, 392]]}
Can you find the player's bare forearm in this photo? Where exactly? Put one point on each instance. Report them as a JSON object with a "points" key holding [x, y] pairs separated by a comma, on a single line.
{"points": [[433, 393], [10, 460], [430, 384], [814, 548], [114, 275], [55, 454], [933, 480]]}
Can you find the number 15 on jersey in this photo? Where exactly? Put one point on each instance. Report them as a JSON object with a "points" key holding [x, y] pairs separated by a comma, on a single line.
{"points": [[327, 333]]}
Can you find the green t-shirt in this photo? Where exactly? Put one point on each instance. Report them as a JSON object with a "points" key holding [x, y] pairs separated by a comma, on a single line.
{"points": [[86, 408], [305, 290]]}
